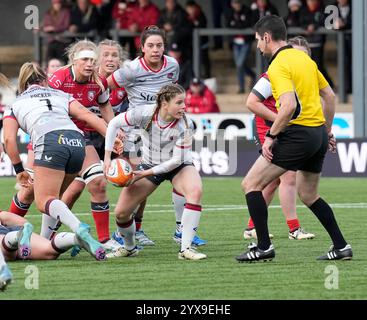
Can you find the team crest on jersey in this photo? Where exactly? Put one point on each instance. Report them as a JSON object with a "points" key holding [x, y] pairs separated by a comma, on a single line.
{"points": [[90, 95], [170, 75]]}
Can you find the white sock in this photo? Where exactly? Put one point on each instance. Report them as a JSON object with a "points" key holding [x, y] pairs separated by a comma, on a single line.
{"points": [[179, 202], [11, 239], [190, 223], [2, 260], [127, 231], [64, 241], [49, 226], [60, 211]]}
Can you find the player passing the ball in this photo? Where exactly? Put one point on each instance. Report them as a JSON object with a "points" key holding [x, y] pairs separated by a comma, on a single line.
{"points": [[166, 155]]}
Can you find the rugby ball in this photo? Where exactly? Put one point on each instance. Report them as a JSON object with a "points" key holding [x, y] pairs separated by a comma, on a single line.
{"points": [[120, 172]]}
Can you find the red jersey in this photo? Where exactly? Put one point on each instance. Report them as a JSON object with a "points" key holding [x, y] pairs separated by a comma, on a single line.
{"points": [[118, 100], [89, 94], [262, 90]]}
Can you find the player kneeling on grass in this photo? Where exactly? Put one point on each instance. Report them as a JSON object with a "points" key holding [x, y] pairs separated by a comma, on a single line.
{"points": [[166, 155], [17, 240]]}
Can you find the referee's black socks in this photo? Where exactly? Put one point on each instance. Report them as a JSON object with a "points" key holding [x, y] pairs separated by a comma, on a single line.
{"points": [[325, 214], [259, 213]]}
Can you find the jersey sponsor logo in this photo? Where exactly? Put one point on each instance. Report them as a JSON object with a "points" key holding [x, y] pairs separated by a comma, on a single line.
{"points": [[147, 96], [91, 95], [69, 142], [170, 75]]}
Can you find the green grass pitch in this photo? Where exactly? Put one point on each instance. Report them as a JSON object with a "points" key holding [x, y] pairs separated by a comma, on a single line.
{"points": [[158, 274]]}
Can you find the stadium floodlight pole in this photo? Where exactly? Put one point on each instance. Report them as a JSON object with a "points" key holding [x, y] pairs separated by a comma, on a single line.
{"points": [[359, 51]]}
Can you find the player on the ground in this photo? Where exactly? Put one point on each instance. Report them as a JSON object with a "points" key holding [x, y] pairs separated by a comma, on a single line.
{"points": [[166, 155], [142, 78]]}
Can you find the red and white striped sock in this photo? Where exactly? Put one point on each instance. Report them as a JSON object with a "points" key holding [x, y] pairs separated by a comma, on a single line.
{"points": [[17, 207]]}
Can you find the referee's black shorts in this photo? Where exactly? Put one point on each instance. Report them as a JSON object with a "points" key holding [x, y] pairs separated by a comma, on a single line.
{"points": [[301, 148]]}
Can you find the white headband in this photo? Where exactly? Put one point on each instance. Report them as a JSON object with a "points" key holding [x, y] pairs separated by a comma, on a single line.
{"points": [[85, 54]]}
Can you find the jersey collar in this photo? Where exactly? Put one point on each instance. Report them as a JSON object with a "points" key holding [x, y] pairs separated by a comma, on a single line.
{"points": [[276, 53], [147, 68]]}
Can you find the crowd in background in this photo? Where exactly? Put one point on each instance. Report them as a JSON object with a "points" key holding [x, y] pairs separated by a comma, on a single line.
{"points": [[98, 17]]}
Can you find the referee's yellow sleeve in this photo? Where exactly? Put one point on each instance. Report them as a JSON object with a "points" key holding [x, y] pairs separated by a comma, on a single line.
{"points": [[322, 81]]}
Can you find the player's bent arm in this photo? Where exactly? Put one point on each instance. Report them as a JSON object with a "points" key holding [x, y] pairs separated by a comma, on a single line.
{"points": [[255, 105], [11, 127], [288, 106], [106, 111], [328, 96], [78, 111], [114, 125]]}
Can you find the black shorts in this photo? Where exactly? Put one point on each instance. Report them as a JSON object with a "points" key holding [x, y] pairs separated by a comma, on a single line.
{"points": [[159, 178], [61, 150], [93, 138], [5, 230], [301, 148]]}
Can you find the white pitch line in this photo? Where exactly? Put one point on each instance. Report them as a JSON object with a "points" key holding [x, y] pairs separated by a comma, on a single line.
{"points": [[236, 207]]}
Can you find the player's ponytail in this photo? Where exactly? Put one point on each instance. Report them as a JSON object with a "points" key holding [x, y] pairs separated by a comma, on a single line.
{"points": [[300, 42], [167, 93], [30, 73]]}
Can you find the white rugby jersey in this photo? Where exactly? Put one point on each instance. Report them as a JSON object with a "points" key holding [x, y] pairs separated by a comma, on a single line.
{"points": [[165, 145], [40, 110], [141, 83]]}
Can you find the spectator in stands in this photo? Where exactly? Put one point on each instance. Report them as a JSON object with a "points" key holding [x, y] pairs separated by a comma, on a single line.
{"points": [[52, 66], [104, 11], [56, 20], [261, 8], [186, 72], [200, 99], [174, 21], [197, 19], [239, 17], [219, 8], [293, 19], [344, 22], [312, 18], [84, 17], [121, 13], [144, 14]]}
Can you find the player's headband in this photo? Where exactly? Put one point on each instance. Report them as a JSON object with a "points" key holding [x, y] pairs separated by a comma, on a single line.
{"points": [[85, 54]]}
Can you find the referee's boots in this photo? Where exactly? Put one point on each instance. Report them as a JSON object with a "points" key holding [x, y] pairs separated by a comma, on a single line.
{"points": [[345, 253], [256, 254]]}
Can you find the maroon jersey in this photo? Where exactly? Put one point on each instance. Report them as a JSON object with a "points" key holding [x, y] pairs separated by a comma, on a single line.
{"points": [[89, 94], [262, 90]]}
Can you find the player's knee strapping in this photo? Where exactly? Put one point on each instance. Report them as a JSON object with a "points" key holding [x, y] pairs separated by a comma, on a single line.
{"points": [[92, 172]]}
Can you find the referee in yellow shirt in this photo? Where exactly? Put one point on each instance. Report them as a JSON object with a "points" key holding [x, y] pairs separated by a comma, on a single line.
{"points": [[298, 139]]}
